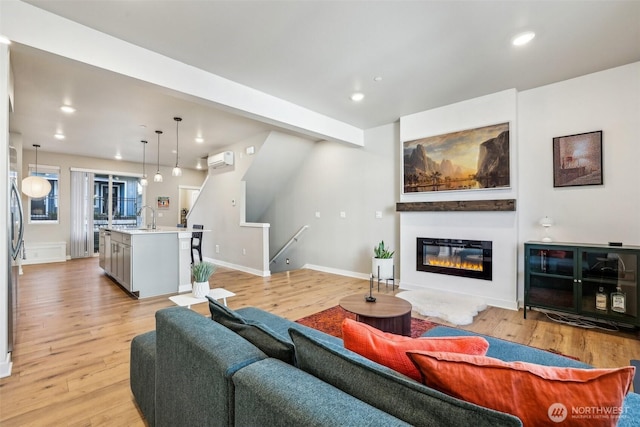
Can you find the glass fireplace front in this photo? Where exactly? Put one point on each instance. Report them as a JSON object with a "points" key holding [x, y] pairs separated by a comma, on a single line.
{"points": [[466, 258]]}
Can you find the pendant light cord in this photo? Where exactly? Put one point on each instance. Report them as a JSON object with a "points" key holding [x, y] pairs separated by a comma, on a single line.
{"points": [[178, 120], [144, 152], [37, 146], [158, 132]]}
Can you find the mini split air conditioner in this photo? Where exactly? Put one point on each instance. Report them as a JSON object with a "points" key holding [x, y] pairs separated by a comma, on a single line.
{"points": [[220, 160]]}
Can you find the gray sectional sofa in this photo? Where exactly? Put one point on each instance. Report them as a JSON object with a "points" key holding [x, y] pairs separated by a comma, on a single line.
{"points": [[192, 371]]}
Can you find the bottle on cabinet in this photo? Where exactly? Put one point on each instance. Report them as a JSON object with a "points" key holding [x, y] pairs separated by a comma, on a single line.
{"points": [[618, 301], [601, 299]]}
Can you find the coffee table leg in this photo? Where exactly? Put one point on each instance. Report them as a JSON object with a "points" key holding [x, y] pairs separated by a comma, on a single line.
{"points": [[400, 325]]}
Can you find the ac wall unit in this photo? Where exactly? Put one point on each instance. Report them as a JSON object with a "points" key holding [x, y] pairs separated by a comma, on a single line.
{"points": [[220, 160]]}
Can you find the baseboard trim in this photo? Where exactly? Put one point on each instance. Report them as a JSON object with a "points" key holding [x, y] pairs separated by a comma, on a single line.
{"points": [[5, 367], [337, 271], [255, 272]]}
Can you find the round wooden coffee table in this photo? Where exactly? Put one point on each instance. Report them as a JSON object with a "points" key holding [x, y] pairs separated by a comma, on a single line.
{"points": [[388, 313]]}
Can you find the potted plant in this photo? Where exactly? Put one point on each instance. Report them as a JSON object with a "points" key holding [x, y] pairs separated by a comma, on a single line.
{"points": [[201, 273], [382, 262]]}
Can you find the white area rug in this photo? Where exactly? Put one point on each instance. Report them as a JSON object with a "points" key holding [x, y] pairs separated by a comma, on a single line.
{"points": [[456, 309]]}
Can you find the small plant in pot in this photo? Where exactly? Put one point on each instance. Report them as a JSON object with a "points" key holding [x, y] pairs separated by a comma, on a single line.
{"points": [[382, 262], [201, 273]]}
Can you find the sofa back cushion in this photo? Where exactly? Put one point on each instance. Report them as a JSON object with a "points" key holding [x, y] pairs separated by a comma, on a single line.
{"points": [[388, 390], [253, 331]]}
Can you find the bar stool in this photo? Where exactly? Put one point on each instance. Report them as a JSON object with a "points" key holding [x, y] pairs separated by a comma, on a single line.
{"points": [[196, 241]]}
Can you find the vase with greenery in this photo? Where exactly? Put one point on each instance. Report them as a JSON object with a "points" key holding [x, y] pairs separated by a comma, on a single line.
{"points": [[382, 262], [201, 273]]}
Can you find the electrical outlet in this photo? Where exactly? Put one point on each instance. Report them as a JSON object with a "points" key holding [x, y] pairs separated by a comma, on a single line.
{"points": [[378, 214], [343, 214], [244, 251], [217, 249], [287, 260], [317, 214]]}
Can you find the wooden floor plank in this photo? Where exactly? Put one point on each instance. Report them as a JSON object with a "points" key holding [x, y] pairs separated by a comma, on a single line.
{"points": [[71, 363]]}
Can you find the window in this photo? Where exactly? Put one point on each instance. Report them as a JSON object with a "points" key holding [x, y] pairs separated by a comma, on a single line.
{"points": [[45, 210]]}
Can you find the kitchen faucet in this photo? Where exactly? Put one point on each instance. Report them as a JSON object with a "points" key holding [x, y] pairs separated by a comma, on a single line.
{"points": [[153, 211]]}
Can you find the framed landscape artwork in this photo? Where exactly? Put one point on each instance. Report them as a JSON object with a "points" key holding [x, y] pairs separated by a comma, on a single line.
{"points": [[577, 160], [471, 159]]}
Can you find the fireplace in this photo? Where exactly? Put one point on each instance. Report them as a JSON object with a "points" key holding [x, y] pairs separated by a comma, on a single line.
{"points": [[465, 258]]}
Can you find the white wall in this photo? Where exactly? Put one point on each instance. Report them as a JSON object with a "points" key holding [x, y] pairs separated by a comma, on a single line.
{"points": [[607, 101], [499, 227], [220, 208], [337, 178]]}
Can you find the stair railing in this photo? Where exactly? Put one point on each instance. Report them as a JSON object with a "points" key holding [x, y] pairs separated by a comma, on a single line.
{"points": [[289, 243]]}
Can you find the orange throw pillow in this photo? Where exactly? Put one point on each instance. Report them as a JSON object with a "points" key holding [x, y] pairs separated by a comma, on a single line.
{"points": [[390, 350], [538, 395]]}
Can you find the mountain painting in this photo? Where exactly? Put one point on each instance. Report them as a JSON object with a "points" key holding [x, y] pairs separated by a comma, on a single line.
{"points": [[470, 159]]}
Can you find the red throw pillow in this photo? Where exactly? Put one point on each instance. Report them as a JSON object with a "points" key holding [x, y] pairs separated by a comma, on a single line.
{"points": [[390, 349], [538, 395]]}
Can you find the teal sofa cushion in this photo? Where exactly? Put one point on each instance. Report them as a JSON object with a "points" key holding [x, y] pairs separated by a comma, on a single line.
{"points": [[272, 393], [142, 374], [510, 351], [256, 332], [387, 390]]}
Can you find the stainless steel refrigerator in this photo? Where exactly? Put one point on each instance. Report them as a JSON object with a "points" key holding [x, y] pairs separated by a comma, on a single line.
{"points": [[16, 233]]}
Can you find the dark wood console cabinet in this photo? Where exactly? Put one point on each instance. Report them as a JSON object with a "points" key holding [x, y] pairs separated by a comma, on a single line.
{"points": [[567, 277]]}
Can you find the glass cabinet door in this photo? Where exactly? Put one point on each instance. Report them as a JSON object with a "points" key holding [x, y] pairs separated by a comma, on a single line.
{"points": [[551, 277], [609, 283]]}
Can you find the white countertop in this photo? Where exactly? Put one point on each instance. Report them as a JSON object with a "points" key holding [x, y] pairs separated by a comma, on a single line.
{"points": [[159, 230]]}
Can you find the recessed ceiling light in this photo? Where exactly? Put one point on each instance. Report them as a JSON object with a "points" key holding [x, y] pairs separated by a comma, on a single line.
{"points": [[59, 136], [357, 97], [199, 140], [118, 156], [67, 109], [377, 79], [524, 38], [4, 40]]}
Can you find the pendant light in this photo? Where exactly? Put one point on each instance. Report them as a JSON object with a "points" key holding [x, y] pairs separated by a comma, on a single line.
{"points": [[158, 177], [176, 170], [144, 181], [35, 186]]}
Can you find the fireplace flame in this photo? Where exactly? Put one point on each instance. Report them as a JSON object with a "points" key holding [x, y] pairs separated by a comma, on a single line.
{"points": [[454, 263]]}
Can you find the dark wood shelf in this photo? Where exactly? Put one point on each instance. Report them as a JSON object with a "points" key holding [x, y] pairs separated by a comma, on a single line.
{"points": [[496, 205]]}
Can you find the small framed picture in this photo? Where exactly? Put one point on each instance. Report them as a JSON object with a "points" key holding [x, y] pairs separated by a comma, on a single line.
{"points": [[163, 202], [577, 160]]}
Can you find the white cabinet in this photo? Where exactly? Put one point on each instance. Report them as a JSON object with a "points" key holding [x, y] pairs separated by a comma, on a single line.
{"points": [[120, 255], [143, 263]]}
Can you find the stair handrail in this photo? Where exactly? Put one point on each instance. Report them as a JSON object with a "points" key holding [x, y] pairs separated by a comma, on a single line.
{"points": [[289, 243]]}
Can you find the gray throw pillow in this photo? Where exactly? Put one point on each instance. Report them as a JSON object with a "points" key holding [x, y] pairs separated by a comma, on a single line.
{"points": [[255, 332]]}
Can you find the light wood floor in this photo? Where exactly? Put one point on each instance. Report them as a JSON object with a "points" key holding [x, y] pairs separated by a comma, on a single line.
{"points": [[71, 363]]}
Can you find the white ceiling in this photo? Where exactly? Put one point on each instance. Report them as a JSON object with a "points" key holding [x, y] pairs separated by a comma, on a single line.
{"points": [[311, 53]]}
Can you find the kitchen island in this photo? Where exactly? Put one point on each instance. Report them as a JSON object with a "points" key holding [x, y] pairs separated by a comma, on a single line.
{"points": [[147, 262]]}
